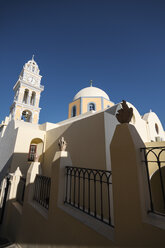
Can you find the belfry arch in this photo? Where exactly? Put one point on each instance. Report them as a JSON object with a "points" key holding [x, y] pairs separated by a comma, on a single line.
{"points": [[26, 116], [26, 95]]}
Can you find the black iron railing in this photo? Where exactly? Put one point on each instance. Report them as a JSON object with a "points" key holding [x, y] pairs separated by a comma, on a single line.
{"points": [[89, 191], [42, 190], [154, 159], [21, 190]]}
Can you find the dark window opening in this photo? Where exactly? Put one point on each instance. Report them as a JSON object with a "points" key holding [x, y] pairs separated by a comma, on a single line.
{"points": [[74, 111], [32, 152], [92, 106]]}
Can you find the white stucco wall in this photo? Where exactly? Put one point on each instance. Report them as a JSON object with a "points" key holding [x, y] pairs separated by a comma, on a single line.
{"points": [[152, 119], [141, 125], [15, 143], [26, 133], [7, 145]]}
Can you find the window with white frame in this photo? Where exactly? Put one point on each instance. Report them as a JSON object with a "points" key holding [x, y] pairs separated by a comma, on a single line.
{"points": [[32, 152]]}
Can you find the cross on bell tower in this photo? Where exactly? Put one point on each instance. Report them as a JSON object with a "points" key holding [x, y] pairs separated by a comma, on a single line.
{"points": [[27, 94]]}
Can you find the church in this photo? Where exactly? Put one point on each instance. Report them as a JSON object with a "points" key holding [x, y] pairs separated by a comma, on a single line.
{"points": [[29, 151]]}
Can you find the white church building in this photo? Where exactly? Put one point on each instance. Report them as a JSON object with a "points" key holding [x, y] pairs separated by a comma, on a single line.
{"points": [[19, 133], [88, 132]]}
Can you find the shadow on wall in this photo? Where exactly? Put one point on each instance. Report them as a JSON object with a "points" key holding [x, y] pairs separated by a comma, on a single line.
{"points": [[30, 224], [85, 143], [22, 159], [19, 159], [6, 169]]}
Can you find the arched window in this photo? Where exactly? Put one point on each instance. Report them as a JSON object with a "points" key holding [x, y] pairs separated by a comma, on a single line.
{"points": [[25, 97], [26, 116], [74, 111], [91, 106], [156, 128], [32, 100]]}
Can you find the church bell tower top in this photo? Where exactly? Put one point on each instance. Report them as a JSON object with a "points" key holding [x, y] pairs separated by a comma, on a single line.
{"points": [[32, 66], [27, 91]]}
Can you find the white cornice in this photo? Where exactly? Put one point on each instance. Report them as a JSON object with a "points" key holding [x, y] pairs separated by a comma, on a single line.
{"points": [[40, 88], [23, 105], [32, 73]]}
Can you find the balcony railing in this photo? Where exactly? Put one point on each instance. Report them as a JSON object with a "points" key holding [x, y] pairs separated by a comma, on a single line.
{"points": [[42, 190], [154, 159], [89, 191]]}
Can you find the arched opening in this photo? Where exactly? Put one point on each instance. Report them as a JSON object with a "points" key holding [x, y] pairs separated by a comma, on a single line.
{"points": [[91, 106], [156, 128], [26, 116], [25, 97], [74, 111], [158, 189], [33, 98], [36, 150]]}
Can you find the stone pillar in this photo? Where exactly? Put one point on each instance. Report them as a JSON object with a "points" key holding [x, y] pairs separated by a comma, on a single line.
{"points": [[129, 185], [34, 169], [60, 161], [15, 178], [29, 97], [2, 192], [21, 95], [12, 193]]}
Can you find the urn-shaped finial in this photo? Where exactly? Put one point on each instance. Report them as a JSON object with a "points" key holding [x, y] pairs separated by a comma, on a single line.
{"points": [[124, 114], [62, 144]]}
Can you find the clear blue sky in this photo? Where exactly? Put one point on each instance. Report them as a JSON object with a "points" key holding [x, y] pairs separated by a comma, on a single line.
{"points": [[119, 44]]}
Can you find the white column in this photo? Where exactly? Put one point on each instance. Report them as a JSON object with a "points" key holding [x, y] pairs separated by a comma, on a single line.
{"points": [[34, 169], [15, 178]]}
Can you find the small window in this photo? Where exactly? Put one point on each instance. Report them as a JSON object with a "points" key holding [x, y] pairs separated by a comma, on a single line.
{"points": [[91, 106], [157, 128], [32, 152], [74, 111]]}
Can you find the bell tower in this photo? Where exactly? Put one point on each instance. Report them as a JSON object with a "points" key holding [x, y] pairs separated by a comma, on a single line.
{"points": [[27, 94]]}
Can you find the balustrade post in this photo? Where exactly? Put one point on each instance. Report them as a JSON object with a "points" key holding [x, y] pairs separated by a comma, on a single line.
{"points": [[129, 185], [60, 161], [34, 169], [14, 181]]}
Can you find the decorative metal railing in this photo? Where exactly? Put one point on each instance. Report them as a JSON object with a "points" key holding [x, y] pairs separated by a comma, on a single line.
{"points": [[42, 190], [154, 159], [21, 190], [89, 191]]}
